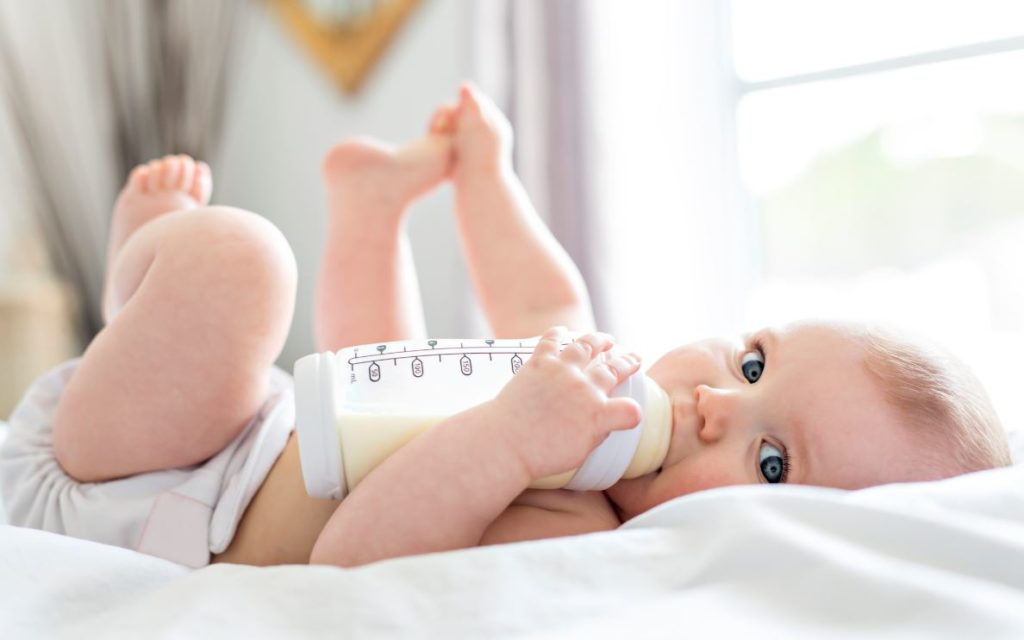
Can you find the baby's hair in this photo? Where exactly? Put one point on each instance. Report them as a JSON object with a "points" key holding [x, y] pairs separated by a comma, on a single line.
{"points": [[941, 398]]}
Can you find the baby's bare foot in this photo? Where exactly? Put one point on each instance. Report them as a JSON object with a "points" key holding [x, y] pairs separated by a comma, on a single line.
{"points": [[170, 184], [482, 133], [362, 174], [443, 120]]}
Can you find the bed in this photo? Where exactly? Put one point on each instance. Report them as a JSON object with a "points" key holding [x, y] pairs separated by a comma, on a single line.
{"points": [[931, 560]]}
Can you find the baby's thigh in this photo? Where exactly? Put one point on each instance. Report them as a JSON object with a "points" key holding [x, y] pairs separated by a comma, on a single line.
{"points": [[184, 364]]}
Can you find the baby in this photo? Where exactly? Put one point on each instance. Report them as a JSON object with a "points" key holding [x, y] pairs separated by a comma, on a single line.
{"points": [[173, 433]]}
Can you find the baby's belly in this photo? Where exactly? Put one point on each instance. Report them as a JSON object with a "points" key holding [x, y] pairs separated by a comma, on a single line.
{"points": [[282, 522]]}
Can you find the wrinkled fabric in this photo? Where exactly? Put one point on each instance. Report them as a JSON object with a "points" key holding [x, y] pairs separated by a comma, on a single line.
{"points": [[923, 560]]}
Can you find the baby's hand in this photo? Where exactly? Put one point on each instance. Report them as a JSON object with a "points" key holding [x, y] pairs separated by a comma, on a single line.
{"points": [[557, 410]]}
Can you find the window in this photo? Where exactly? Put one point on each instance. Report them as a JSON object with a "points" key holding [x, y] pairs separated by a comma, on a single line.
{"points": [[882, 145]]}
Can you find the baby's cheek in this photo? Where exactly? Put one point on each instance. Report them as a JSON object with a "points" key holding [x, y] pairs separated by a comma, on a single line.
{"points": [[707, 474]]}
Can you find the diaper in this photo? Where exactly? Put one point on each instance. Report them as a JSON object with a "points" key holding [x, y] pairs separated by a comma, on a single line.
{"points": [[182, 514]]}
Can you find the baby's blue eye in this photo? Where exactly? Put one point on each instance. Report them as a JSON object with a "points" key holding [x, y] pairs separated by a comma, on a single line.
{"points": [[773, 463], [752, 365]]}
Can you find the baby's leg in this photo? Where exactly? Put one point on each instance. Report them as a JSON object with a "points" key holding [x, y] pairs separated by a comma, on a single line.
{"points": [[198, 303], [524, 278], [367, 290]]}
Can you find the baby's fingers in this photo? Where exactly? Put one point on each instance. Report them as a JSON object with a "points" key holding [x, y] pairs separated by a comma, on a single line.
{"points": [[620, 414], [550, 341], [609, 371], [586, 348]]}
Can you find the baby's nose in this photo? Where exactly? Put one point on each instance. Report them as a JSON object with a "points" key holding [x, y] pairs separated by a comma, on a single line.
{"points": [[718, 408]]}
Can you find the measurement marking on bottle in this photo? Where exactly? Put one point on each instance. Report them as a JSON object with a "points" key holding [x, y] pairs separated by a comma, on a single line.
{"points": [[418, 366], [444, 351]]}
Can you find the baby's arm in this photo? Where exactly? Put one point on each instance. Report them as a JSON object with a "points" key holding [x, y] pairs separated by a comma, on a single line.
{"points": [[443, 490]]}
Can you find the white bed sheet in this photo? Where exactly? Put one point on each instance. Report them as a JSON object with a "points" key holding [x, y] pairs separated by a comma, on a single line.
{"points": [[929, 560]]}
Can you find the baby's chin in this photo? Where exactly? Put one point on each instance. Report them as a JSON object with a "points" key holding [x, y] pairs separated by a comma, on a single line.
{"points": [[632, 497]]}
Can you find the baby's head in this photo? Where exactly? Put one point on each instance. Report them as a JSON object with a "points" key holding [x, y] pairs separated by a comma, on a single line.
{"points": [[819, 403]]}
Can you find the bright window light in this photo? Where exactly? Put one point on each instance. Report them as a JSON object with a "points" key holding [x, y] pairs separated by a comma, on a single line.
{"points": [[774, 38]]}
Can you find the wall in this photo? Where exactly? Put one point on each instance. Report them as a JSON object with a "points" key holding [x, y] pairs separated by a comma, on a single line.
{"points": [[285, 113], [12, 214]]}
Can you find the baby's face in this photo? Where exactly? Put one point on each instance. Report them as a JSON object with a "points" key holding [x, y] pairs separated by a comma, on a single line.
{"points": [[791, 405]]}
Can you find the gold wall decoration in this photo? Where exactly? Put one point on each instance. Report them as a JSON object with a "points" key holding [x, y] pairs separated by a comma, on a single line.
{"points": [[346, 36]]}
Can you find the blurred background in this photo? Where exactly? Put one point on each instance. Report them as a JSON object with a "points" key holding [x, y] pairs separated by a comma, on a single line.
{"points": [[712, 166]]}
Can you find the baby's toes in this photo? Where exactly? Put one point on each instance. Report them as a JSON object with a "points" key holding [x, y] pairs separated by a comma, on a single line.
{"points": [[443, 120], [138, 178], [172, 172], [202, 183], [478, 104], [187, 176], [154, 175], [478, 112], [470, 107]]}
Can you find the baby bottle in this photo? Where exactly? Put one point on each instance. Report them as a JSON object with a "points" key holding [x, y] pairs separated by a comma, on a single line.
{"points": [[357, 406]]}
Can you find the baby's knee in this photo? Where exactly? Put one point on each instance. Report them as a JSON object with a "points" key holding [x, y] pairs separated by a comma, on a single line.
{"points": [[240, 246], [236, 264], [247, 232]]}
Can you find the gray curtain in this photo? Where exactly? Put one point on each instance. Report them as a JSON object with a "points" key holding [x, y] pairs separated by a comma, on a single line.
{"points": [[94, 88], [166, 65]]}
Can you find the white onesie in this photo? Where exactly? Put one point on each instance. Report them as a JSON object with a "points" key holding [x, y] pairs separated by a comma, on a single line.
{"points": [[182, 514]]}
